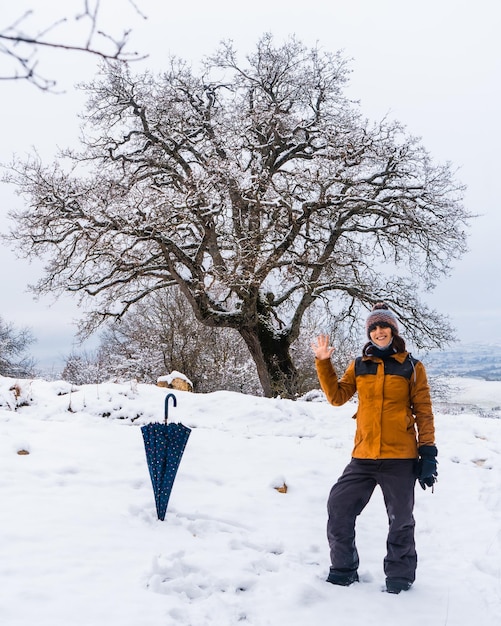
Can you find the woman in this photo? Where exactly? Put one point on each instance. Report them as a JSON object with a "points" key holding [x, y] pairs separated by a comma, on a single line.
{"points": [[394, 444]]}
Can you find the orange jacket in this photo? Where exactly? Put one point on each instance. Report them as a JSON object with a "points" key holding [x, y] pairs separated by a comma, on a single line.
{"points": [[394, 413]]}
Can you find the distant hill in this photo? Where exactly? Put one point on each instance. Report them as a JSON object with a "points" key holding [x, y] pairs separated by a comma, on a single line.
{"points": [[481, 361]]}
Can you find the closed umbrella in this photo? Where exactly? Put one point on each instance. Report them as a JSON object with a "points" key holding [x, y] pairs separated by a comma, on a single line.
{"points": [[164, 445]]}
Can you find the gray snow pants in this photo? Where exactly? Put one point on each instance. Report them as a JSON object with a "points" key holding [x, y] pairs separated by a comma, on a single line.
{"points": [[348, 498]]}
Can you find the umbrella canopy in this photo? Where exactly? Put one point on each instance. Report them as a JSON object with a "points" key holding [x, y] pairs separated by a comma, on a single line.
{"points": [[164, 446]]}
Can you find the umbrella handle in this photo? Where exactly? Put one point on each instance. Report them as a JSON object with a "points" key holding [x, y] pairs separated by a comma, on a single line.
{"points": [[167, 398]]}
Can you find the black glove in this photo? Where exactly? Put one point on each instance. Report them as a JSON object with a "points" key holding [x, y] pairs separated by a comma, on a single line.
{"points": [[427, 466]]}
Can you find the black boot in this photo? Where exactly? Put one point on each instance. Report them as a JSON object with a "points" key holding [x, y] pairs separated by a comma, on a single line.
{"points": [[345, 579], [396, 585]]}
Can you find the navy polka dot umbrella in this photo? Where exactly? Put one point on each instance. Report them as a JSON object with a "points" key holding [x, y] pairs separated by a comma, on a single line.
{"points": [[164, 445]]}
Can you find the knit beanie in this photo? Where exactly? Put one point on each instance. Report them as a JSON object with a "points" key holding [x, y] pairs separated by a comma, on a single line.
{"points": [[381, 316]]}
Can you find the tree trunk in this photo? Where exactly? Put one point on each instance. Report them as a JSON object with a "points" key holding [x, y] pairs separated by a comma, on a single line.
{"points": [[277, 373]]}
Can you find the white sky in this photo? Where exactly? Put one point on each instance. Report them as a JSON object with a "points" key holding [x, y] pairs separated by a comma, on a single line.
{"points": [[434, 66]]}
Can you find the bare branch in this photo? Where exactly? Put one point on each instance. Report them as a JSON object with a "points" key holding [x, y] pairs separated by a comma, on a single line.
{"points": [[20, 43]]}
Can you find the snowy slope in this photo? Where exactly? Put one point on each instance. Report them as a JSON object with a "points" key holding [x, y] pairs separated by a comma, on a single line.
{"points": [[81, 546]]}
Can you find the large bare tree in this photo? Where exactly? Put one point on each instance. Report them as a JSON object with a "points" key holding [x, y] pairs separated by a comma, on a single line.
{"points": [[255, 186]]}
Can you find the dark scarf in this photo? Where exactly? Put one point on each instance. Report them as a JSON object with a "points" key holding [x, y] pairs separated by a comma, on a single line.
{"points": [[371, 349]]}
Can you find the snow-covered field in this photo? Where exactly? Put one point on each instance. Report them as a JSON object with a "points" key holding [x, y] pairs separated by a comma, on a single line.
{"points": [[80, 543]]}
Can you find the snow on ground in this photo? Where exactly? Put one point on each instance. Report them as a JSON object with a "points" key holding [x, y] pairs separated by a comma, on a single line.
{"points": [[80, 543]]}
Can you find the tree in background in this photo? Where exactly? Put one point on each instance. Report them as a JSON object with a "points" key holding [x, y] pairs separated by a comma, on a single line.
{"points": [[85, 368], [21, 41], [257, 189], [160, 335], [13, 345]]}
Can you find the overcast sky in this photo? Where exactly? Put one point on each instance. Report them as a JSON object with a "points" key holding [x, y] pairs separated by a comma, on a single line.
{"points": [[434, 66]]}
